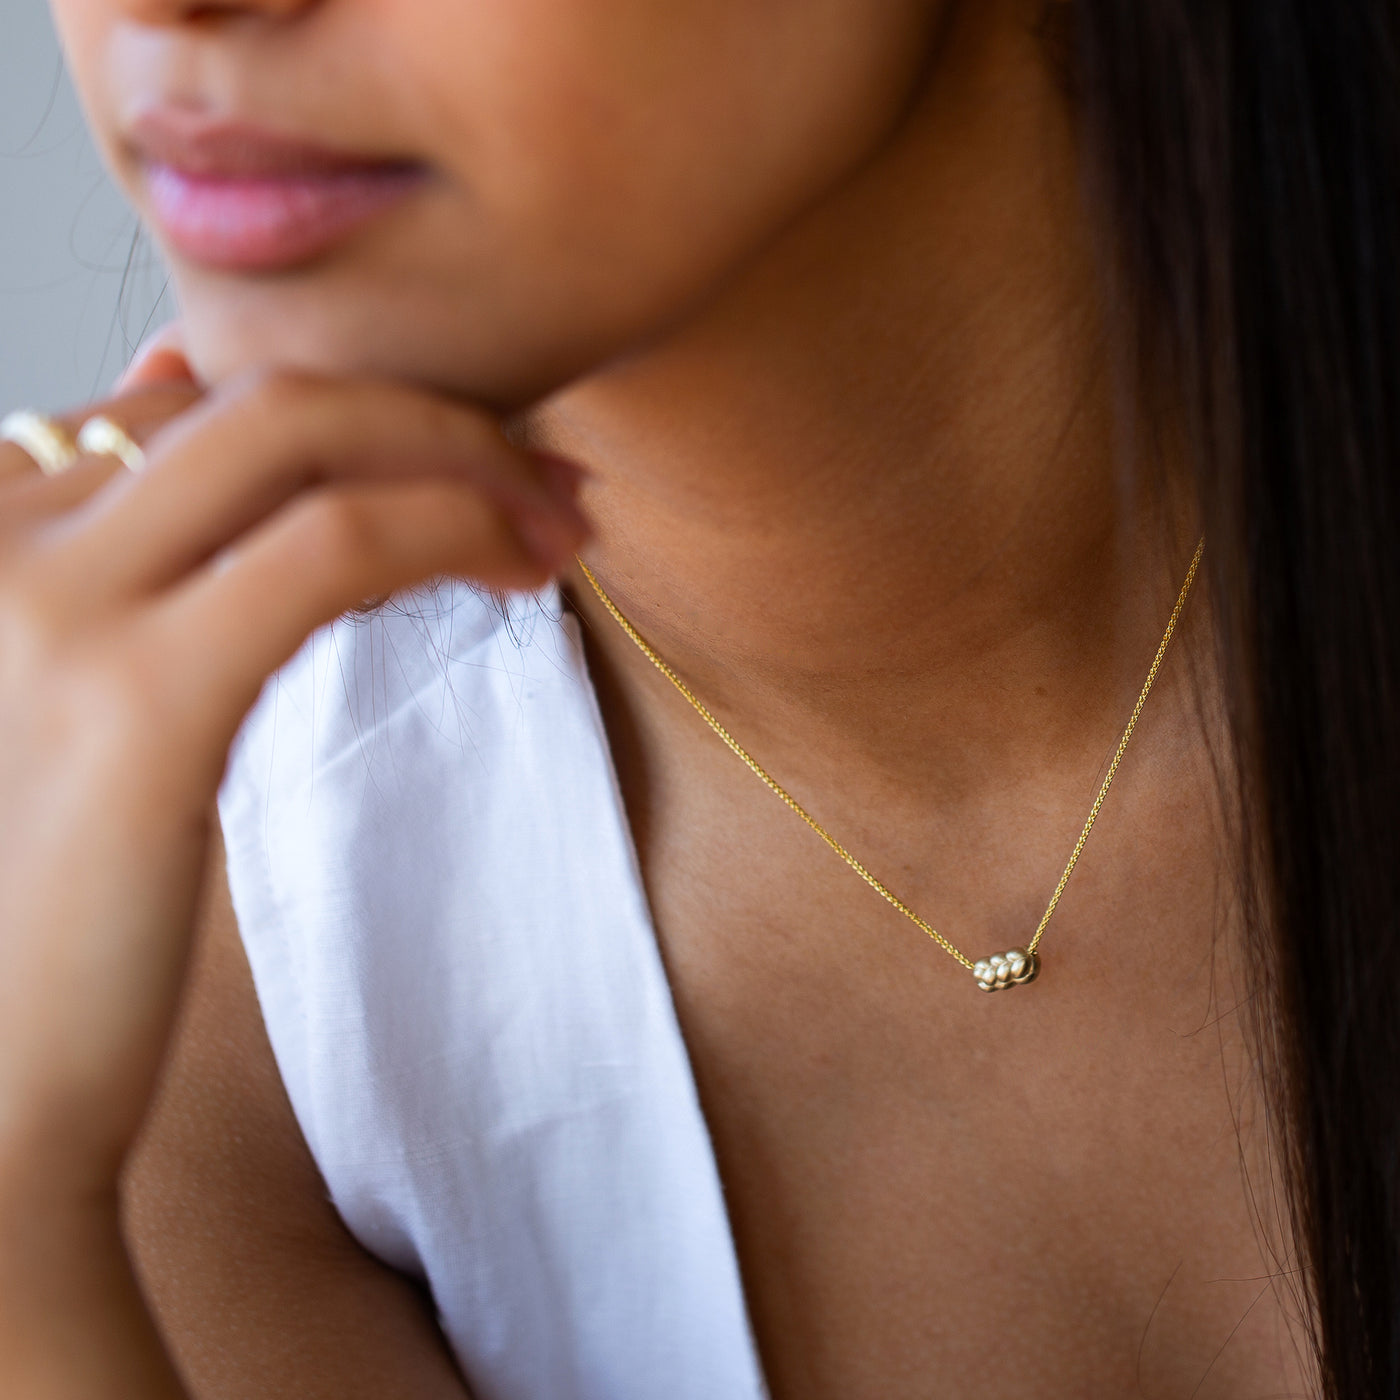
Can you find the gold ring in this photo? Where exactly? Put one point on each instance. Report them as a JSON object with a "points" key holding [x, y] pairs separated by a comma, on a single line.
{"points": [[45, 440], [104, 438]]}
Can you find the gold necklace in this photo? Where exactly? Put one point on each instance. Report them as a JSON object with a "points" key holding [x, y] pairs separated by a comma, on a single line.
{"points": [[1016, 966]]}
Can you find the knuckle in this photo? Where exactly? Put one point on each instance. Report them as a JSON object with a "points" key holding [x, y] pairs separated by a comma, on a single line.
{"points": [[274, 392], [29, 627], [62, 698], [334, 530], [106, 695], [446, 427], [110, 712]]}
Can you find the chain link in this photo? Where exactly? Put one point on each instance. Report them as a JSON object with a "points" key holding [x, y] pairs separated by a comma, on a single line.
{"points": [[878, 886]]}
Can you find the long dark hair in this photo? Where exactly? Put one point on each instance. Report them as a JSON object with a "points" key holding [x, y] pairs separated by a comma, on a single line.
{"points": [[1248, 156]]}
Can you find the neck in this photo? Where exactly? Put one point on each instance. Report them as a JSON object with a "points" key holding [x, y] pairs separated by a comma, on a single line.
{"points": [[877, 475]]}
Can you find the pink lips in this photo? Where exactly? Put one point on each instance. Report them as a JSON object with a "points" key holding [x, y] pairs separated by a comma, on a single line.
{"points": [[239, 198]]}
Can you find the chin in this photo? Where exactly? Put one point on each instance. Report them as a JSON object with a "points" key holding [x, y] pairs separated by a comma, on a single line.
{"points": [[221, 348], [505, 351]]}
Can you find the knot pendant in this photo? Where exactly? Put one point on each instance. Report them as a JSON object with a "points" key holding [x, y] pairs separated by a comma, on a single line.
{"points": [[1013, 968]]}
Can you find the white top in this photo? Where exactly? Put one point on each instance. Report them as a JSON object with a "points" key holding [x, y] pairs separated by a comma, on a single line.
{"points": [[438, 892]]}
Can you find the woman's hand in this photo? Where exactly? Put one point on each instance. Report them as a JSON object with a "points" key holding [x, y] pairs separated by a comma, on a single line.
{"points": [[139, 617]]}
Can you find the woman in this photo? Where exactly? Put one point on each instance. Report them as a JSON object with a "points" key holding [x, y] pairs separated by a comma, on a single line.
{"points": [[884, 365]]}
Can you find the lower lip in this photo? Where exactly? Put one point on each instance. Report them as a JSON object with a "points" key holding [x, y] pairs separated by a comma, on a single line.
{"points": [[265, 223]]}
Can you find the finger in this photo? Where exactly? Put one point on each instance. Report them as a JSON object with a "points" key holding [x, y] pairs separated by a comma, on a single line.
{"points": [[161, 359], [141, 411], [29, 500], [243, 452], [245, 612], [22, 460]]}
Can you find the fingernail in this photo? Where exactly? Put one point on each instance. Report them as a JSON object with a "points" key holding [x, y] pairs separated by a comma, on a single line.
{"points": [[159, 358], [550, 536], [159, 365], [562, 477], [561, 480]]}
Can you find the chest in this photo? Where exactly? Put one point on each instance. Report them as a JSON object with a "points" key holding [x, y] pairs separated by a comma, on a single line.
{"points": [[1058, 1186]]}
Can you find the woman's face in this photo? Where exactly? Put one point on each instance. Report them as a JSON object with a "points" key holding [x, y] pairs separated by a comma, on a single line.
{"points": [[591, 170]]}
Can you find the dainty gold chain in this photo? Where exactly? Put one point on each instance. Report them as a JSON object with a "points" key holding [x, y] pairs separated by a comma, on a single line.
{"points": [[878, 886]]}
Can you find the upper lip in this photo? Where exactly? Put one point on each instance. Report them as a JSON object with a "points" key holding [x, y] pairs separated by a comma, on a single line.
{"points": [[197, 144]]}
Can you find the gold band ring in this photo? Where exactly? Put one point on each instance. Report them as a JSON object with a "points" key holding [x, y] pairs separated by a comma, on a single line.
{"points": [[45, 440], [104, 438]]}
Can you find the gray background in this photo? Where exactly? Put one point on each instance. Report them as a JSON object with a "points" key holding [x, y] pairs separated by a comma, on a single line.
{"points": [[78, 282]]}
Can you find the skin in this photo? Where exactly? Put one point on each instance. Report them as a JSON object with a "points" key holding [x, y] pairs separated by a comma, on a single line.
{"points": [[809, 291]]}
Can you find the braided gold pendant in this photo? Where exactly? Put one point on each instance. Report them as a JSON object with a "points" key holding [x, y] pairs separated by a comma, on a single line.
{"points": [[1013, 968]]}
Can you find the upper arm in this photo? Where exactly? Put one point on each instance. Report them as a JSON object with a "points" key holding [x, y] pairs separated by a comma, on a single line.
{"points": [[258, 1287]]}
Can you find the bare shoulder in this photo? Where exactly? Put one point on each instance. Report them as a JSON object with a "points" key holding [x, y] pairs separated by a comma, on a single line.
{"points": [[259, 1288]]}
